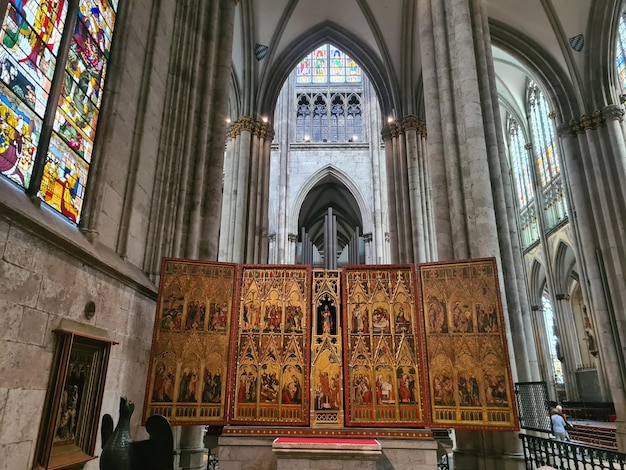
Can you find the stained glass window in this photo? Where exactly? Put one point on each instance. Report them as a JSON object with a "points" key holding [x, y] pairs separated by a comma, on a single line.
{"points": [[620, 53], [30, 42], [329, 117], [553, 340], [520, 165], [544, 135], [327, 64]]}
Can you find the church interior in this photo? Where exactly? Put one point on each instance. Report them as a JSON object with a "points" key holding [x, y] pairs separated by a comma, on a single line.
{"points": [[141, 140]]}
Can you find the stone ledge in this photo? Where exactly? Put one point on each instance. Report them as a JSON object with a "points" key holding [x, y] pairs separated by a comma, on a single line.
{"points": [[323, 448]]}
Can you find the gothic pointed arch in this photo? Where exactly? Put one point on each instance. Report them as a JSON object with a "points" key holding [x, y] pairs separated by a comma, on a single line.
{"points": [[600, 76], [564, 267], [328, 32], [330, 186], [537, 282], [567, 101]]}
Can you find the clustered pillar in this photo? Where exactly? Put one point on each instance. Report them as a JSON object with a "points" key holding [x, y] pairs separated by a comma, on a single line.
{"points": [[473, 211], [595, 158], [411, 227], [187, 201], [244, 225]]}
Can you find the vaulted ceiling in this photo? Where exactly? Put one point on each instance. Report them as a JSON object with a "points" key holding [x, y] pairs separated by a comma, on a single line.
{"points": [[531, 39], [383, 36]]}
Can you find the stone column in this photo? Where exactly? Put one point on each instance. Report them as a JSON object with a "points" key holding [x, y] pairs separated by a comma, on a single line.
{"points": [[473, 210], [595, 162], [291, 252], [391, 196], [245, 212], [566, 332], [544, 358], [417, 196], [187, 199], [369, 256]]}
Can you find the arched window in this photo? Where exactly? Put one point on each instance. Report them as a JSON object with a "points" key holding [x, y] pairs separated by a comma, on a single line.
{"points": [[53, 60], [327, 64], [620, 53], [553, 340], [543, 134], [329, 96], [520, 166]]}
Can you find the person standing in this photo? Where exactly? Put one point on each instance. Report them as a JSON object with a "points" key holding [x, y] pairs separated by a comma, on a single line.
{"points": [[558, 425]]}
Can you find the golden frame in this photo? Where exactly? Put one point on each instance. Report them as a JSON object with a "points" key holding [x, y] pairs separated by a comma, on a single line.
{"points": [[69, 427]]}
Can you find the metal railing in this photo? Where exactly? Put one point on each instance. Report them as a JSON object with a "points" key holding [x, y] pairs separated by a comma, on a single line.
{"points": [[442, 463], [540, 451]]}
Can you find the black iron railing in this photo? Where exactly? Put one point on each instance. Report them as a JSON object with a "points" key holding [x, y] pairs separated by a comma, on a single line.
{"points": [[442, 463], [539, 451], [213, 462]]}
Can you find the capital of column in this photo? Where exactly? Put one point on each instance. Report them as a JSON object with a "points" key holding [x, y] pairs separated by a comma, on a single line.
{"points": [[528, 147], [244, 123], [292, 237], [536, 308], [412, 122], [562, 296], [271, 237], [613, 112], [587, 122], [368, 237]]}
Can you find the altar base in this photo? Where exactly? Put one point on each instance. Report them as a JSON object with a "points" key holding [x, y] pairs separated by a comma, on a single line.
{"points": [[242, 448]]}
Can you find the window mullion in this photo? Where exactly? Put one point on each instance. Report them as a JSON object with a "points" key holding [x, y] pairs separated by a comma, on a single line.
{"points": [[53, 98]]}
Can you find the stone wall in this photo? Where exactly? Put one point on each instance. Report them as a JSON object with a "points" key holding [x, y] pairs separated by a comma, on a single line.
{"points": [[41, 284]]}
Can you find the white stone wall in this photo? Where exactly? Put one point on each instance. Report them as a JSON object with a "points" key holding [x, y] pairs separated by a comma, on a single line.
{"points": [[41, 285]]}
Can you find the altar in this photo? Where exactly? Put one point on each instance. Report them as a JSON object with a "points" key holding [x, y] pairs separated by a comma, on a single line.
{"points": [[364, 353]]}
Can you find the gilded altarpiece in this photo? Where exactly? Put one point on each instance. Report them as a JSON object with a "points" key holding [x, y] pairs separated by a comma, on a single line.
{"points": [[327, 407], [468, 361], [382, 348], [188, 373], [272, 357]]}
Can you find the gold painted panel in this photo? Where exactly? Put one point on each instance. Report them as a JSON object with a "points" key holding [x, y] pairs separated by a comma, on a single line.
{"points": [[326, 361], [271, 360], [382, 347], [468, 362], [188, 373]]}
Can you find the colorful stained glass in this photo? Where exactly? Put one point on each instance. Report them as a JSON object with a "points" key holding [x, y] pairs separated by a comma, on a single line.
{"points": [[519, 164], [327, 64], [64, 179], [337, 65], [320, 66], [620, 53], [303, 71], [544, 139], [30, 38], [19, 135], [29, 45]]}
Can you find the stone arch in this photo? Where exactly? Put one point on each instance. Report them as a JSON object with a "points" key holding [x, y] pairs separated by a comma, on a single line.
{"points": [[600, 75], [564, 265], [538, 280], [328, 32], [325, 173], [566, 99]]}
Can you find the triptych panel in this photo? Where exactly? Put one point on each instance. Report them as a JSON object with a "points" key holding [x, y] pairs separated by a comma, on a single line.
{"points": [[366, 346], [382, 342], [272, 356], [191, 343], [467, 356]]}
